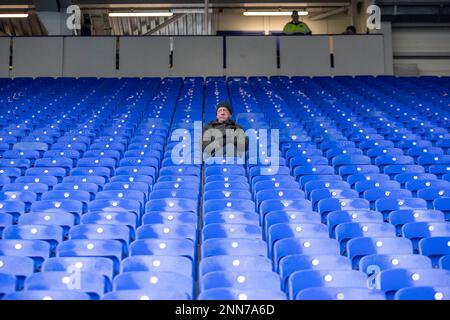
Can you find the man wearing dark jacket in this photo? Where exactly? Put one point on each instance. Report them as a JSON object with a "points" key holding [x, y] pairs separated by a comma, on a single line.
{"points": [[223, 136]]}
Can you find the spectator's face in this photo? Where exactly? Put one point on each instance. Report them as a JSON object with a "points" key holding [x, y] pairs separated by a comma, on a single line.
{"points": [[223, 114], [294, 17]]}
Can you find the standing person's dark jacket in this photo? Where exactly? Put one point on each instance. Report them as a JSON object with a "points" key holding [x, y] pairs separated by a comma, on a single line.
{"points": [[223, 127]]}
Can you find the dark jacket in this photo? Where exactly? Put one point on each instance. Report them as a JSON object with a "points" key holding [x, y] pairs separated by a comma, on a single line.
{"points": [[207, 138]]}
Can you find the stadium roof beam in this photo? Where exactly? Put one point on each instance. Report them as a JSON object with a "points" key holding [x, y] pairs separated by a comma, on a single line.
{"points": [[166, 23]]}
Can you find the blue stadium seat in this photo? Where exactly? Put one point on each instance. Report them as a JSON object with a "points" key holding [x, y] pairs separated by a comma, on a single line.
{"points": [[161, 231], [300, 262], [234, 263], [91, 283], [7, 284], [444, 262], [330, 293], [225, 204], [326, 206], [423, 293], [378, 262], [390, 281], [415, 231], [110, 249], [290, 246], [241, 294], [159, 281], [37, 188], [280, 231], [350, 230], [305, 279], [240, 247], [172, 205], [18, 267], [434, 248], [167, 217], [364, 246], [51, 234], [387, 205], [177, 264], [120, 218], [145, 295], [114, 205], [260, 280], [335, 218], [117, 232], [231, 230], [230, 216], [163, 247], [47, 295], [99, 265], [443, 204], [38, 250], [90, 187]]}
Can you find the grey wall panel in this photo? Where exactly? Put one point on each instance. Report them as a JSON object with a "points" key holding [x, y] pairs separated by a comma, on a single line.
{"points": [[358, 55], [89, 57], [308, 56], [197, 56], [37, 57], [144, 56], [251, 55], [4, 56]]}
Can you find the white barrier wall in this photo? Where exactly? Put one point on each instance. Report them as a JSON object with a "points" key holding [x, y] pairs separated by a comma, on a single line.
{"points": [[4, 56], [194, 56], [89, 57], [304, 56], [197, 56], [358, 55], [41, 56], [251, 56], [144, 57]]}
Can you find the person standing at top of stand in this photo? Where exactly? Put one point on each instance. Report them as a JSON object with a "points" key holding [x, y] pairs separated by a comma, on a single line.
{"points": [[222, 131], [296, 26]]}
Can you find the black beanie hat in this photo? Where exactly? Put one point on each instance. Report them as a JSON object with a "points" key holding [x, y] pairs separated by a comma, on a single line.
{"points": [[224, 104]]}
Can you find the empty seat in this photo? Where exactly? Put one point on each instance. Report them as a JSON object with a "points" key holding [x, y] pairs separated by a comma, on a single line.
{"points": [[290, 246], [159, 281], [99, 265], [110, 249], [300, 262], [47, 295], [91, 283], [7, 284], [377, 262], [419, 230], [239, 247], [17, 266], [393, 280], [340, 293], [423, 293], [177, 264], [360, 247], [335, 218], [38, 250], [163, 247], [51, 234], [161, 231], [145, 295], [265, 280], [434, 248], [241, 294], [349, 230], [305, 279]]}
